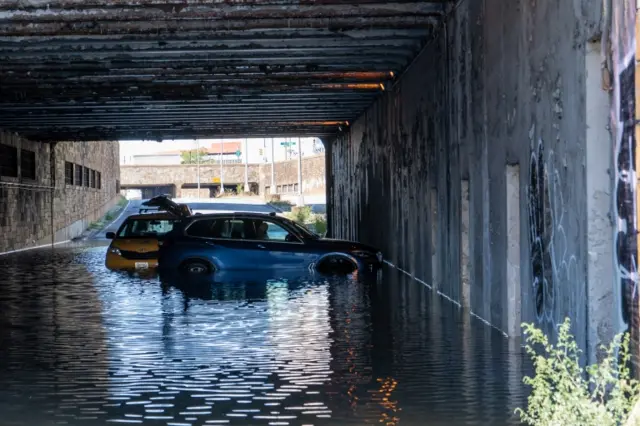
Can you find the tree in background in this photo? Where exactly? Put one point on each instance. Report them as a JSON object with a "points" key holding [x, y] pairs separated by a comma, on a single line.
{"points": [[191, 156]]}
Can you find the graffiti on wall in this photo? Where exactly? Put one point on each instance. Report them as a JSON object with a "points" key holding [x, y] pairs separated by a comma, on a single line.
{"points": [[626, 239], [552, 264]]}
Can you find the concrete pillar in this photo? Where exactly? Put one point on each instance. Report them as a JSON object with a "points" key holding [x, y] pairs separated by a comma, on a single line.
{"points": [[435, 270], [272, 189], [465, 290], [52, 171], [246, 166], [600, 267], [221, 167], [179, 189], [300, 196], [513, 250]]}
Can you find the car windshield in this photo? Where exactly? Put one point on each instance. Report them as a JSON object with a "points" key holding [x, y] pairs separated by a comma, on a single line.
{"points": [[304, 230], [136, 228]]}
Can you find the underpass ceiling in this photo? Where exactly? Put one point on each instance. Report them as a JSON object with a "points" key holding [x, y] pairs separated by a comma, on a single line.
{"points": [[162, 69]]}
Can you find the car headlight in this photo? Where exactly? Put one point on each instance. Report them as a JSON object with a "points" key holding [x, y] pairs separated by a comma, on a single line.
{"points": [[115, 251], [363, 254]]}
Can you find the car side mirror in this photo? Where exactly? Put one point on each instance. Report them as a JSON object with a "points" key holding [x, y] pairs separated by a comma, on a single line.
{"points": [[111, 235], [290, 238]]}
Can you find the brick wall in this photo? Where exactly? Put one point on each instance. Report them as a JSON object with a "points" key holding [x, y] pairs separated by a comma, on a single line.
{"points": [[25, 203]]}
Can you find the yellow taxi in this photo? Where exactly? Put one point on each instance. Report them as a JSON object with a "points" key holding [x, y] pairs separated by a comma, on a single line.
{"points": [[135, 245]]}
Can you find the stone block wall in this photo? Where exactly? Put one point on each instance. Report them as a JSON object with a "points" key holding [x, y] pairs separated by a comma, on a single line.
{"points": [[28, 218], [286, 174]]}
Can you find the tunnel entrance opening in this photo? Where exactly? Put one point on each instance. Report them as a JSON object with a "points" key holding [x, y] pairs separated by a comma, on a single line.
{"points": [[213, 190], [133, 192]]}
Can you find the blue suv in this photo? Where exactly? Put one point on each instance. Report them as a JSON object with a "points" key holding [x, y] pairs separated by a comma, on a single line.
{"points": [[203, 244]]}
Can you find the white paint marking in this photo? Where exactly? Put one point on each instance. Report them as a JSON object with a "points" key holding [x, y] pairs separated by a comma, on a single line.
{"points": [[33, 248], [448, 298], [119, 216]]}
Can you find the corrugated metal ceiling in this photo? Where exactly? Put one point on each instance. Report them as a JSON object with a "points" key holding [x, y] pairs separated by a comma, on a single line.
{"points": [[158, 69]]}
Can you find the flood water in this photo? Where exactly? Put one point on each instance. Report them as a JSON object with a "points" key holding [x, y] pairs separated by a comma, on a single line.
{"points": [[80, 345]]}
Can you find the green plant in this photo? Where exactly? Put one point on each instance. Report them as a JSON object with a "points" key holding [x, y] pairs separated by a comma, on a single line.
{"points": [[239, 188], [320, 225], [96, 225], [301, 214], [563, 395], [193, 156]]}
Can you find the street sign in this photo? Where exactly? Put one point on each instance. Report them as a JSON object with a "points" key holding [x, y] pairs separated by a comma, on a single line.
{"points": [[215, 180], [287, 143], [238, 153]]}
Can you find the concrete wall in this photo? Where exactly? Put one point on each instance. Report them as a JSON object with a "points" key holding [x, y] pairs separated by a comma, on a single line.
{"points": [[286, 173], [501, 88], [25, 205]]}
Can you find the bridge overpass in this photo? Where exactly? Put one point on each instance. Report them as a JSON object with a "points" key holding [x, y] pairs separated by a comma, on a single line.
{"points": [[181, 180], [487, 147]]}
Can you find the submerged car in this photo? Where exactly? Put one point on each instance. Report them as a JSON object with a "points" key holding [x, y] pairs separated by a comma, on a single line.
{"points": [[203, 244], [134, 245]]}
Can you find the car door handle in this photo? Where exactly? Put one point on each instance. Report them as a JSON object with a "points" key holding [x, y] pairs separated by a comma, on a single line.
{"points": [[260, 246], [209, 243]]}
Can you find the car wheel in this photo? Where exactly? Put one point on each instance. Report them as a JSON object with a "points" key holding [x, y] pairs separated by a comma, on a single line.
{"points": [[196, 267], [337, 265]]}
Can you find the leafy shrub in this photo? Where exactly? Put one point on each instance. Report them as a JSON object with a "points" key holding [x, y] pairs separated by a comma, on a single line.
{"points": [[320, 225], [96, 225], [563, 395], [239, 188], [302, 214]]}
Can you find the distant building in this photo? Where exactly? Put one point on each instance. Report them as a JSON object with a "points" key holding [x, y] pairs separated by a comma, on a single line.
{"points": [[283, 149], [231, 153]]}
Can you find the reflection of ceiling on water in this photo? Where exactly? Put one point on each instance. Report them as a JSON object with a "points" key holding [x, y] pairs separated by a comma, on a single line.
{"points": [[53, 346]]}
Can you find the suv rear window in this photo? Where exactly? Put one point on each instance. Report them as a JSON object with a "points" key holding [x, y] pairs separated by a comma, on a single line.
{"points": [[146, 228]]}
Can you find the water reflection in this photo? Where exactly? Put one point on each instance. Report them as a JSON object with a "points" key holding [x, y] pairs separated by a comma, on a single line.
{"points": [[82, 345]]}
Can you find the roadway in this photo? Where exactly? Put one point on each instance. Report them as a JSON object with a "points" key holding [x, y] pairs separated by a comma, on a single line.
{"points": [[88, 346]]}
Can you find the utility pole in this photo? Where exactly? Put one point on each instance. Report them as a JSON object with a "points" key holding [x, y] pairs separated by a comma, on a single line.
{"points": [[273, 168], [246, 165], [300, 199], [221, 180], [198, 166]]}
